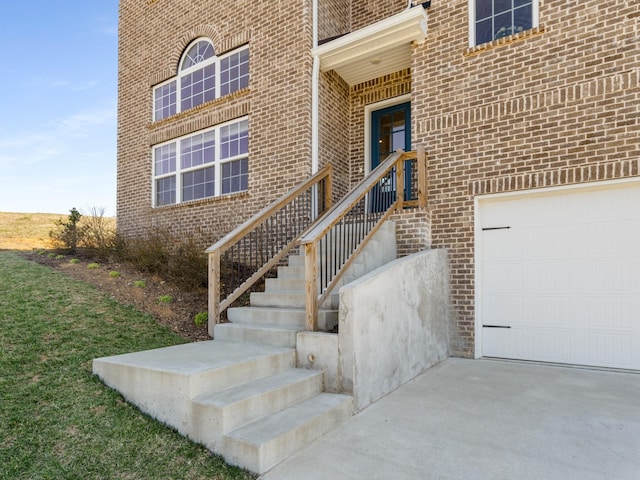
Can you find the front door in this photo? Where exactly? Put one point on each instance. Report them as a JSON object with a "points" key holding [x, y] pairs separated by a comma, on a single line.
{"points": [[390, 131]]}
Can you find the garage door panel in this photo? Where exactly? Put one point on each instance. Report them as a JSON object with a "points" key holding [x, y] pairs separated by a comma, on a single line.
{"points": [[609, 350], [565, 276], [612, 314]]}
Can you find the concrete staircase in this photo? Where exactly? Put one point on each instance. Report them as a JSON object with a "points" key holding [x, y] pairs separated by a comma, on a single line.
{"points": [[244, 401], [241, 394]]}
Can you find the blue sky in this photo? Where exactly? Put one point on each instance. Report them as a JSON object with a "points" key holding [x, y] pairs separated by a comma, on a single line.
{"points": [[58, 96]]}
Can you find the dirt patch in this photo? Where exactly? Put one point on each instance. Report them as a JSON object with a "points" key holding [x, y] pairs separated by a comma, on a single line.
{"points": [[143, 290]]}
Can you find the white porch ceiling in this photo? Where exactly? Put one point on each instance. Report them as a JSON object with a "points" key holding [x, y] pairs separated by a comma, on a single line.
{"points": [[376, 50]]}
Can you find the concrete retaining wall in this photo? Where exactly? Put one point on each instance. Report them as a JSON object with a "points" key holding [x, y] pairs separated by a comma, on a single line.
{"points": [[394, 324]]}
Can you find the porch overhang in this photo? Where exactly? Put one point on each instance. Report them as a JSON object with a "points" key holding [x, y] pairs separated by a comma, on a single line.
{"points": [[376, 50]]}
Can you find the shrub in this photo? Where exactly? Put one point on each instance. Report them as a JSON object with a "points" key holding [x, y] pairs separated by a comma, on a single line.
{"points": [[201, 318], [114, 274], [68, 233], [93, 232], [93, 266], [165, 299], [158, 251], [139, 284], [74, 261], [99, 234]]}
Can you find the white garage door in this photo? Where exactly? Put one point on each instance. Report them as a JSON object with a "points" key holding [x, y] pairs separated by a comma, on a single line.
{"points": [[559, 276]]}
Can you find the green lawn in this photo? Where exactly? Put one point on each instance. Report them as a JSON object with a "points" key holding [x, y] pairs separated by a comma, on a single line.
{"points": [[58, 421]]}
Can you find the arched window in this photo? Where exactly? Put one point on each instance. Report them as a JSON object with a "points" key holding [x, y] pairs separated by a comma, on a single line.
{"points": [[199, 52], [202, 77], [197, 75]]}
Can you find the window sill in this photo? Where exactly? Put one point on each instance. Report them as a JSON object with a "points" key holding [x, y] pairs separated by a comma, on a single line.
{"points": [[204, 201], [505, 40]]}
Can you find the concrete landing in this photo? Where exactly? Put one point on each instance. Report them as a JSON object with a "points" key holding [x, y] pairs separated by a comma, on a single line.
{"points": [[483, 419]]}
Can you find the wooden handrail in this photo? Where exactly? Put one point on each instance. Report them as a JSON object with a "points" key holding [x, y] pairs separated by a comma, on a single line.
{"points": [[267, 211], [311, 238], [354, 196], [260, 219]]}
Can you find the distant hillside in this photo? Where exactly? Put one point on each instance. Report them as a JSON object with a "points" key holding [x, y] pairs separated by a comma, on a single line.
{"points": [[26, 231]]}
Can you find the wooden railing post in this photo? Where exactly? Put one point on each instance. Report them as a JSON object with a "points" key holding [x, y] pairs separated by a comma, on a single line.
{"points": [[214, 289], [328, 191], [311, 285], [400, 183], [422, 176]]}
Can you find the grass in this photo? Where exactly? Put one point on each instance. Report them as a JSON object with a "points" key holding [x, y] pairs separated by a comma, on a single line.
{"points": [[26, 231], [59, 421]]}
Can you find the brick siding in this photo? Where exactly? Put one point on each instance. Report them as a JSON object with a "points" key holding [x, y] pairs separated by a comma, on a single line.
{"points": [[153, 36], [555, 106]]}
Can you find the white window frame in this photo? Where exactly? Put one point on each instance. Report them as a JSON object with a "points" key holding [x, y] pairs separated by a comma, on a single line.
{"points": [[179, 171], [535, 20], [215, 60]]}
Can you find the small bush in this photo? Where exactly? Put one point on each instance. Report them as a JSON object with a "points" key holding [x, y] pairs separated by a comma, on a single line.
{"points": [[51, 255], [139, 284], [114, 274], [165, 299], [74, 261], [68, 234], [93, 266], [99, 234], [158, 251], [201, 318]]}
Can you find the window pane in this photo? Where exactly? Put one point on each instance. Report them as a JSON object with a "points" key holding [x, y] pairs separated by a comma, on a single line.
{"points": [[164, 101], [165, 159], [234, 139], [166, 191], [198, 184], [197, 149], [198, 87], [522, 19], [234, 72], [501, 6], [483, 9], [483, 31], [199, 52], [235, 176], [507, 17], [502, 25]]}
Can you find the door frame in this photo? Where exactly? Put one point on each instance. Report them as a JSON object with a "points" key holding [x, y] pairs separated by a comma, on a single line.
{"points": [[477, 219], [368, 110]]}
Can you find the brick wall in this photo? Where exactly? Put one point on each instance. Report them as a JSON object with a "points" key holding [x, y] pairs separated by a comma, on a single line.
{"points": [[153, 36], [413, 230], [334, 18], [554, 106]]}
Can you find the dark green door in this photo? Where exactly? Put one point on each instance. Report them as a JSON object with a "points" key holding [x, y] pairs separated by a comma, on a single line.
{"points": [[390, 131]]}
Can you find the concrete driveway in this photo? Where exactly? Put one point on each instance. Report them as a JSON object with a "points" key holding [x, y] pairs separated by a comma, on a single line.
{"points": [[483, 419]]}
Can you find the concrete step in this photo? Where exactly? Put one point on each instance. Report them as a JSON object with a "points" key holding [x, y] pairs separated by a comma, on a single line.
{"points": [[288, 317], [291, 272], [285, 300], [261, 445], [284, 285], [296, 260], [220, 412], [276, 335], [163, 382]]}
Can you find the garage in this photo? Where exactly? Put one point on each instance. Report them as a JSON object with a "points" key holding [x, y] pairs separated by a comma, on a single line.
{"points": [[558, 275]]}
